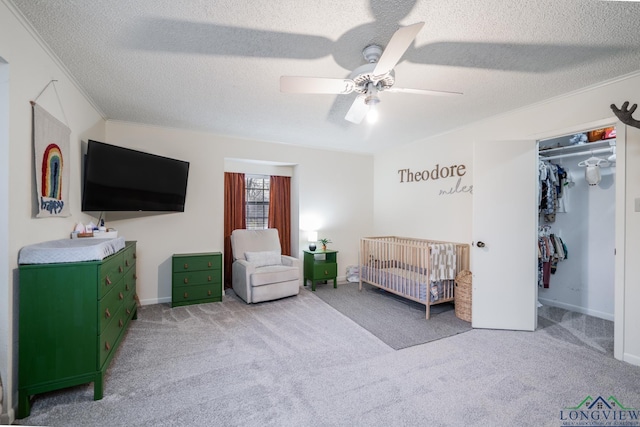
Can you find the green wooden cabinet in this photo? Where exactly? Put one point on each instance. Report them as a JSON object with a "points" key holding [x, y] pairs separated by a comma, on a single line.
{"points": [[72, 318], [196, 278], [320, 265]]}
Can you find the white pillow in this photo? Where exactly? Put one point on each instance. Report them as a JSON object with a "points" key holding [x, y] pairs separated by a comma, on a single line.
{"points": [[261, 259]]}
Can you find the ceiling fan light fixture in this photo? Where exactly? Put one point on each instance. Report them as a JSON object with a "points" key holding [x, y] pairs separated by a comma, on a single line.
{"points": [[371, 97], [373, 115]]}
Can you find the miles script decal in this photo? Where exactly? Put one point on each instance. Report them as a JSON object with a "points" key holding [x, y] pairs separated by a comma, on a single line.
{"points": [[439, 172]]}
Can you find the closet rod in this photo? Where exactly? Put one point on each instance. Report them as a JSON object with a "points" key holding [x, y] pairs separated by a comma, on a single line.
{"points": [[582, 153]]}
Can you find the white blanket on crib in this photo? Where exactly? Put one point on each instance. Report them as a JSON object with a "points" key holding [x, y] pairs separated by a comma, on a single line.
{"points": [[443, 261]]}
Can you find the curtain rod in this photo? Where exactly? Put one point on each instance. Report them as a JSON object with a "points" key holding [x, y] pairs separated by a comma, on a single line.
{"points": [[582, 153]]}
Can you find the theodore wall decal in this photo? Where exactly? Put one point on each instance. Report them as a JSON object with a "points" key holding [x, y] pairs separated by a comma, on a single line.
{"points": [[406, 175], [438, 173]]}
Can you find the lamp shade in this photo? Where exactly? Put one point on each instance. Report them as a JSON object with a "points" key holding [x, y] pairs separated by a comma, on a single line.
{"points": [[312, 236]]}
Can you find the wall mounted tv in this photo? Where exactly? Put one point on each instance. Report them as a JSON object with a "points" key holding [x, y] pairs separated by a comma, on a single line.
{"points": [[122, 179]]}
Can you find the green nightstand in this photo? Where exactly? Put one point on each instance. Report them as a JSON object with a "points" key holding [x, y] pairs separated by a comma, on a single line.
{"points": [[320, 265]]}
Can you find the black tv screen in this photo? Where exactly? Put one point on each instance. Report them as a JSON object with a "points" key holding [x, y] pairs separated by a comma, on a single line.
{"points": [[122, 179]]}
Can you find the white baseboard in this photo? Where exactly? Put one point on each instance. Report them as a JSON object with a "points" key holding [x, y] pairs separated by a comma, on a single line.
{"points": [[152, 301], [9, 417], [632, 359], [577, 309]]}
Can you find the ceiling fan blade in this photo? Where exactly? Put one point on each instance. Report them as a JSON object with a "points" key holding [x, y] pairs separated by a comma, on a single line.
{"points": [[294, 84], [423, 91], [358, 110], [397, 46]]}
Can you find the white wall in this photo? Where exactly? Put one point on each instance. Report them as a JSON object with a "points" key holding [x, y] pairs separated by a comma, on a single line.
{"points": [[417, 210], [5, 311], [31, 68], [431, 209], [334, 189], [585, 281]]}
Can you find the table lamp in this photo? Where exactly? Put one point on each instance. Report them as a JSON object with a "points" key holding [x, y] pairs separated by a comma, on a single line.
{"points": [[312, 237]]}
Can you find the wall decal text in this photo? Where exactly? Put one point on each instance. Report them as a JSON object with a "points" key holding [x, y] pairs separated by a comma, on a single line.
{"points": [[438, 172]]}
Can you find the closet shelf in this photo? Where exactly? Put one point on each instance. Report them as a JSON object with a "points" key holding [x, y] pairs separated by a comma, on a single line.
{"points": [[578, 148]]}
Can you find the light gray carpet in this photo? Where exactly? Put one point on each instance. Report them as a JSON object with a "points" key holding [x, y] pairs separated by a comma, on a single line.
{"points": [[397, 321], [577, 328], [299, 362]]}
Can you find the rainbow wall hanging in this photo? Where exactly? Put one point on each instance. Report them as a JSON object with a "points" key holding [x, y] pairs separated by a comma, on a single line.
{"points": [[51, 148]]}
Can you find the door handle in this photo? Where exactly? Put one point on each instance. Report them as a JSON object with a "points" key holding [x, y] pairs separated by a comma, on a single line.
{"points": [[480, 244]]}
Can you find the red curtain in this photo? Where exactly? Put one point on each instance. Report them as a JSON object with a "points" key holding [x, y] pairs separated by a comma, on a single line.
{"points": [[234, 216], [280, 210]]}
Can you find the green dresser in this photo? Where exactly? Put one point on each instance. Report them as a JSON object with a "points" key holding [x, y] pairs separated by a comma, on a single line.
{"points": [[72, 318], [196, 278]]}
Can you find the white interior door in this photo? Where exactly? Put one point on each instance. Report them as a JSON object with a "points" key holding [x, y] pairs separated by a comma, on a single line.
{"points": [[504, 254]]}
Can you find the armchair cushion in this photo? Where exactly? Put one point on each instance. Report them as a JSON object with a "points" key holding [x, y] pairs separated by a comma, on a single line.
{"points": [[274, 274], [263, 258]]}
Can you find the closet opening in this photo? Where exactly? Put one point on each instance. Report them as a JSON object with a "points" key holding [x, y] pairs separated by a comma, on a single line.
{"points": [[576, 233]]}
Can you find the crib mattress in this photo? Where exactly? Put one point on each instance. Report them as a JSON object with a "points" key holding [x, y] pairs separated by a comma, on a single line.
{"points": [[70, 250], [407, 282]]}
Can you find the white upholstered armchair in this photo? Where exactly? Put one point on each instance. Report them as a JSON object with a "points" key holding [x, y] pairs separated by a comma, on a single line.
{"points": [[259, 271]]}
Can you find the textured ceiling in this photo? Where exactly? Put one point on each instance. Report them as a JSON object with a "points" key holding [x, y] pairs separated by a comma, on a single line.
{"points": [[214, 65]]}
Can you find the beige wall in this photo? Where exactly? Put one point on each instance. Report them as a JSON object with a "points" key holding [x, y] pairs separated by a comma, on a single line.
{"points": [[30, 69], [418, 210], [333, 187]]}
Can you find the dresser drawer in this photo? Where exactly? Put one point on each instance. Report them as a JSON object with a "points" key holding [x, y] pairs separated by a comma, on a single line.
{"points": [[107, 340], [188, 294], [129, 257], [196, 262], [130, 296], [109, 305], [196, 278], [325, 270], [110, 273]]}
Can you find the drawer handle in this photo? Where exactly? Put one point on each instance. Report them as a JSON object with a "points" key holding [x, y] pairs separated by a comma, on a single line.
{"points": [[119, 269], [186, 280], [209, 264], [107, 314], [121, 323], [209, 278], [108, 280], [126, 286], [326, 272], [186, 295], [128, 311], [135, 275], [126, 262], [134, 255], [107, 345], [120, 296], [209, 293], [186, 265]]}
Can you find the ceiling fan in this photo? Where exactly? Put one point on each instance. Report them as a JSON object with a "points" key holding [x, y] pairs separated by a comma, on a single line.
{"points": [[368, 80]]}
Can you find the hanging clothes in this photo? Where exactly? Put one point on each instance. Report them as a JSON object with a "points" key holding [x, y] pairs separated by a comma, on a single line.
{"points": [[551, 250], [552, 178]]}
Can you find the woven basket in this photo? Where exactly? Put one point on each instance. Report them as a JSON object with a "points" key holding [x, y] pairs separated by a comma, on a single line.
{"points": [[462, 295]]}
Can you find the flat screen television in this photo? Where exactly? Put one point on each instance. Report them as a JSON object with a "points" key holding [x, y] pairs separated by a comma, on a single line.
{"points": [[122, 179]]}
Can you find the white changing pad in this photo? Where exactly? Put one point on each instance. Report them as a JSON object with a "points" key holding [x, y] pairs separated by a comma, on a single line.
{"points": [[70, 250]]}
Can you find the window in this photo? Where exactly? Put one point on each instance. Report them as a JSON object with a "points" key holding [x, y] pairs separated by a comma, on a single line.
{"points": [[257, 200]]}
